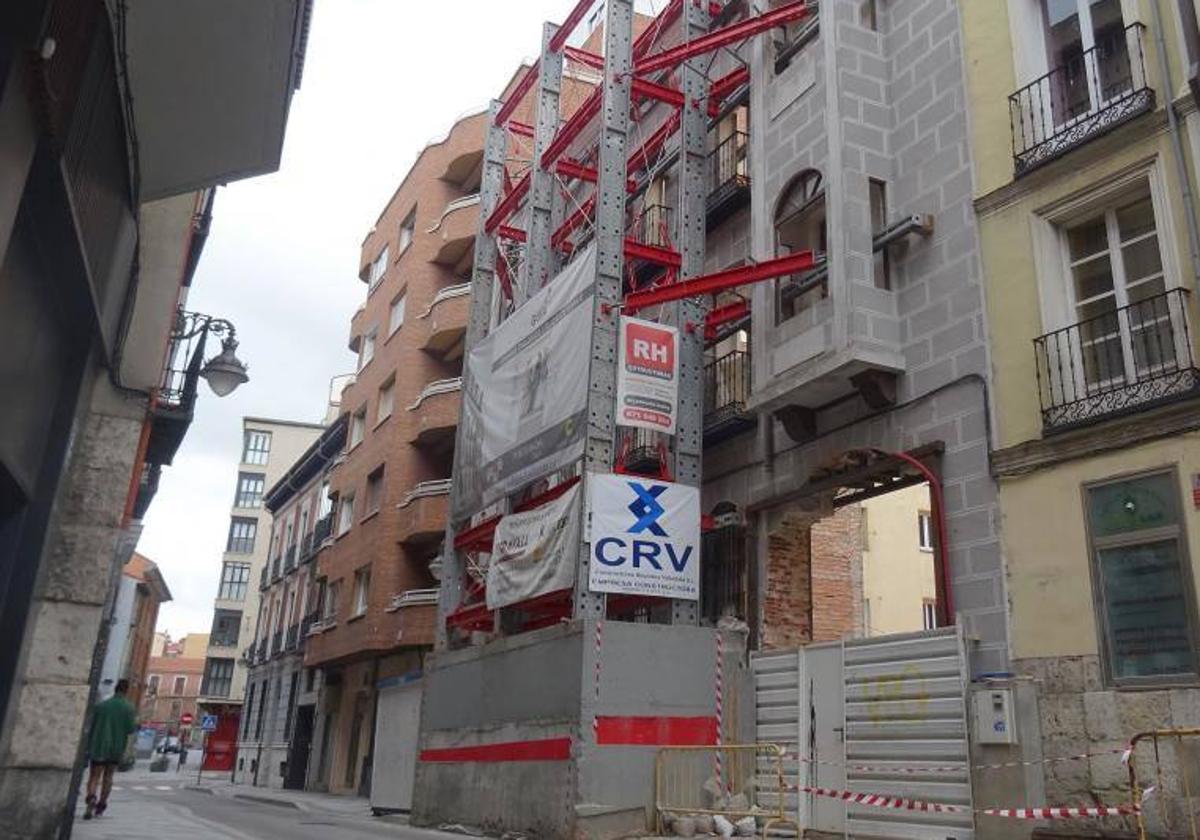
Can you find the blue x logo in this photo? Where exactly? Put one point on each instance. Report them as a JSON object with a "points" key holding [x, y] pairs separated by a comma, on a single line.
{"points": [[647, 509]]}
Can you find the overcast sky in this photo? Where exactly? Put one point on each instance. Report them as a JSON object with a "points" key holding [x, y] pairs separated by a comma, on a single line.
{"points": [[381, 79]]}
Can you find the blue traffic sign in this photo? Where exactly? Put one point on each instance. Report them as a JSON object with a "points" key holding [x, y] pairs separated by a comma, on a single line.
{"points": [[208, 722]]}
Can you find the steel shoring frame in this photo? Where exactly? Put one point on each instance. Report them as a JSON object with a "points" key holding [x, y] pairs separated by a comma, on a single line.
{"points": [[483, 282], [721, 281], [733, 33]]}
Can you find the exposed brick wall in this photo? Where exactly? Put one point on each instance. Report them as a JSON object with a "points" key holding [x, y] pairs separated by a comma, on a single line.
{"points": [[814, 579]]}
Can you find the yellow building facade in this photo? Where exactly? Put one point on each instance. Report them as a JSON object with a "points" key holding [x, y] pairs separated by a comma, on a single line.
{"points": [[1084, 185]]}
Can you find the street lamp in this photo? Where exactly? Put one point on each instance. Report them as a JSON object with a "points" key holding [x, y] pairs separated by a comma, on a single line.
{"points": [[224, 372]]}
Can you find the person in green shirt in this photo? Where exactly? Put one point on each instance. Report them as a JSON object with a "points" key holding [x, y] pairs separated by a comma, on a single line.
{"points": [[113, 721]]}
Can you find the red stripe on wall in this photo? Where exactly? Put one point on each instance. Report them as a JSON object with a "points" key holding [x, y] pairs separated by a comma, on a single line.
{"points": [[657, 731], [549, 749]]}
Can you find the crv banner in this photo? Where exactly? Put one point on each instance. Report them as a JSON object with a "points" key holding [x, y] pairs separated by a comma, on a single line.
{"points": [[648, 375], [645, 536]]}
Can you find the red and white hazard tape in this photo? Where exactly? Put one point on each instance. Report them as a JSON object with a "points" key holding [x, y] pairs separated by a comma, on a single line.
{"points": [[951, 768], [719, 688], [596, 703], [1044, 813]]}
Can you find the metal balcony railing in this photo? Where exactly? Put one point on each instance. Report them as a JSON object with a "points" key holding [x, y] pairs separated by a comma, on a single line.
{"points": [[322, 530], [1094, 92], [306, 547], [277, 642], [289, 558], [309, 622], [413, 598], [446, 293], [293, 635], [726, 387], [277, 567], [1126, 360], [264, 579], [728, 167], [438, 386], [653, 226], [439, 487]]}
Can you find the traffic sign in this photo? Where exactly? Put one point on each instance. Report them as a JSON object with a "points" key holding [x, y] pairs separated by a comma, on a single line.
{"points": [[208, 722], [186, 718]]}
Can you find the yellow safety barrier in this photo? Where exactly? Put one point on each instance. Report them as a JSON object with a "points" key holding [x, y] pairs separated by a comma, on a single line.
{"points": [[738, 774], [1175, 755]]}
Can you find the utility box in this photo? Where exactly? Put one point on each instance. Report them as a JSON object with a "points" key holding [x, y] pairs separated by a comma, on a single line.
{"points": [[995, 722]]}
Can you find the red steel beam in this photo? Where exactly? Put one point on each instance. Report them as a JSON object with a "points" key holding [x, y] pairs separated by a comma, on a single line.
{"points": [[584, 57], [651, 90], [731, 34], [650, 36], [711, 283], [635, 250], [524, 129], [722, 315], [574, 169], [517, 95], [568, 26], [573, 221], [573, 127], [728, 83], [512, 233], [507, 205]]}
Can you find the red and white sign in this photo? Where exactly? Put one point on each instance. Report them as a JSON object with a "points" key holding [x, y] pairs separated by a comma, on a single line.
{"points": [[186, 718], [648, 375]]}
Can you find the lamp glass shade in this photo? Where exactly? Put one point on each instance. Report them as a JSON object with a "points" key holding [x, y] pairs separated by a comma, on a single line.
{"points": [[225, 371]]}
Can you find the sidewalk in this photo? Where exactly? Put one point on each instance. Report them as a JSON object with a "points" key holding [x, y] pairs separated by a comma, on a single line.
{"points": [[300, 800]]}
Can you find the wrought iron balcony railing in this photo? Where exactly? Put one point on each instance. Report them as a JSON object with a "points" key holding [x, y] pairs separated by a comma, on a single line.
{"points": [[728, 167], [1128, 359], [264, 579], [306, 547], [322, 530], [726, 394], [293, 634], [289, 558], [277, 642], [653, 226], [309, 622], [277, 567], [1093, 93]]}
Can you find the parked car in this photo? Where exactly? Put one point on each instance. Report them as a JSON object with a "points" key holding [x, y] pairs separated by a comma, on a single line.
{"points": [[170, 744]]}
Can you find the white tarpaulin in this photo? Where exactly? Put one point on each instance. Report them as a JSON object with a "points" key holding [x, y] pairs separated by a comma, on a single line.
{"points": [[645, 536], [648, 375], [534, 552], [525, 411]]}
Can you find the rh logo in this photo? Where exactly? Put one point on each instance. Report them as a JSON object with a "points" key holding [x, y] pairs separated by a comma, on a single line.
{"points": [[647, 509]]}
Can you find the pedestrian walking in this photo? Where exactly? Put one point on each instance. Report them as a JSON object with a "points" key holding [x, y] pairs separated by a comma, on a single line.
{"points": [[113, 721]]}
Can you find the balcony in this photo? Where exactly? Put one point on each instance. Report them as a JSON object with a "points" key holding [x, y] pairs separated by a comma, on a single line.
{"points": [[416, 615], [322, 531], [728, 178], [422, 512], [1098, 90], [726, 395], [310, 624], [293, 636], [1126, 360], [435, 413], [289, 559], [643, 451], [306, 548], [277, 642], [277, 567], [448, 315], [456, 232], [264, 579]]}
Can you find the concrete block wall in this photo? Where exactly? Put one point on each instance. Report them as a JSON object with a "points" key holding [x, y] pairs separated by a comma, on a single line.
{"points": [[268, 751]]}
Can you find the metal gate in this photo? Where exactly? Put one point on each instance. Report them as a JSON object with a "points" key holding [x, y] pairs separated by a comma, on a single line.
{"points": [[883, 715], [397, 725]]}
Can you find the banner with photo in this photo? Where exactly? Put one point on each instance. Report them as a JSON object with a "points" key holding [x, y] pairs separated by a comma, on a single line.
{"points": [[534, 552], [648, 375], [524, 414]]}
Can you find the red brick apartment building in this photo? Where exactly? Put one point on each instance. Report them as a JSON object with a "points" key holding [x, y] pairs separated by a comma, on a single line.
{"points": [[391, 489]]}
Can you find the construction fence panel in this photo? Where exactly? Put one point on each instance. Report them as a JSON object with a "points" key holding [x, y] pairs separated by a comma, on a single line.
{"points": [[1164, 778]]}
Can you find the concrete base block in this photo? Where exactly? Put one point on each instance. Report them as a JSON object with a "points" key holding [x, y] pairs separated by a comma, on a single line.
{"points": [[32, 802]]}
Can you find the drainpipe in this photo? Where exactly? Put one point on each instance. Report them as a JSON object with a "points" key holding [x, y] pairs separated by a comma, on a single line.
{"points": [[1185, 180]]}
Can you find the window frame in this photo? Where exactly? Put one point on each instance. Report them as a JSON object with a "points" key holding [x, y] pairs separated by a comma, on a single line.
{"points": [[925, 531], [256, 497], [362, 592], [407, 231], [242, 542], [1134, 538], [226, 566], [374, 487], [377, 268], [370, 338], [358, 422], [399, 304], [388, 390], [179, 686], [249, 451], [226, 679], [345, 520], [929, 614]]}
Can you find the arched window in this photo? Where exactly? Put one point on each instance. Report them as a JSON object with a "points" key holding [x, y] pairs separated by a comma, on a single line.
{"points": [[800, 226]]}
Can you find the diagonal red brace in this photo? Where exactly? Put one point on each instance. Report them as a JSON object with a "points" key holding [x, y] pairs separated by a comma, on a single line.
{"points": [[573, 127], [584, 57], [517, 95], [524, 129], [722, 315], [711, 283], [507, 205], [731, 34], [568, 26], [510, 233], [576, 219]]}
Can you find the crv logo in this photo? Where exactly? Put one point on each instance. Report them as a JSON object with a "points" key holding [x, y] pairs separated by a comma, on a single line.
{"points": [[611, 551]]}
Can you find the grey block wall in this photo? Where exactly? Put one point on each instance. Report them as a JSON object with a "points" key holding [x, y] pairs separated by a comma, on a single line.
{"points": [[269, 751], [890, 104]]}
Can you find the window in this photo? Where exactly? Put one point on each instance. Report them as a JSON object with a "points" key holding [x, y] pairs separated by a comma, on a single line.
{"points": [[332, 592], [176, 710], [242, 532], [291, 706], [374, 491], [796, 35], [1142, 584], [407, 228], [262, 707], [868, 14], [180, 686], [152, 685], [366, 351], [362, 586], [396, 314], [800, 226], [1115, 262], [377, 269], [879, 222], [346, 513], [928, 613], [924, 530], [324, 500], [1087, 49], [249, 490], [387, 398], [256, 447], [226, 627], [246, 712], [235, 578], [218, 678], [358, 427]]}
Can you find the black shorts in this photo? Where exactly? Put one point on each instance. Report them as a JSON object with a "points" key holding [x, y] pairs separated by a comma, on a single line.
{"points": [[98, 762]]}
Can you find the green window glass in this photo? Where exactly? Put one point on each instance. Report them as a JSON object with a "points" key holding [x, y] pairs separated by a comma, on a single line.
{"points": [[1143, 585]]}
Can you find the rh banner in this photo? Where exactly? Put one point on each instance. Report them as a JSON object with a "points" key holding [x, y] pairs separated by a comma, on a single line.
{"points": [[648, 375], [525, 410], [534, 552], [645, 537]]}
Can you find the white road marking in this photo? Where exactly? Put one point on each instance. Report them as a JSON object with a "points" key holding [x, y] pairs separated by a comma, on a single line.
{"points": [[140, 787], [117, 787], [163, 787]]}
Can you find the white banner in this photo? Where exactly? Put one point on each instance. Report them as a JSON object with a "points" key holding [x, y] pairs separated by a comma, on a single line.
{"points": [[648, 375], [645, 536], [524, 413], [534, 552]]}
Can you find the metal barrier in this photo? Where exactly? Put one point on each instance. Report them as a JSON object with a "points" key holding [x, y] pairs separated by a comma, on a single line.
{"points": [[1176, 778], [754, 771]]}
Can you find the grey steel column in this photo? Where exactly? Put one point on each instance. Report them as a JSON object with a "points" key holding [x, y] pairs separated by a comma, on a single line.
{"points": [[610, 254], [537, 267], [483, 283], [688, 315]]}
